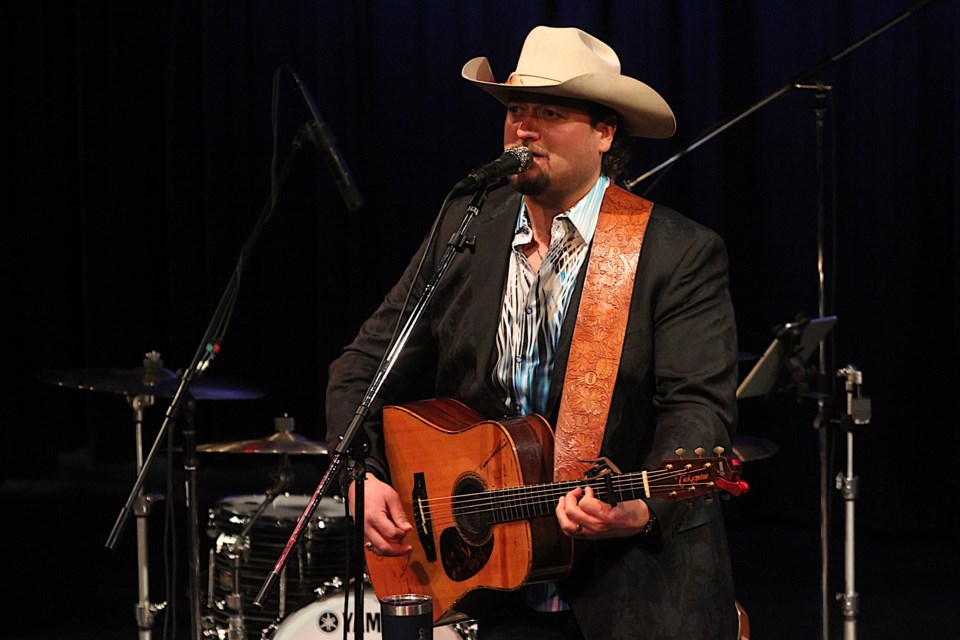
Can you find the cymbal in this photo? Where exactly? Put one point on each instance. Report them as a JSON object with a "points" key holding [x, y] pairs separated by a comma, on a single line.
{"points": [[284, 441], [149, 381], [750, 448], [288, 443]]}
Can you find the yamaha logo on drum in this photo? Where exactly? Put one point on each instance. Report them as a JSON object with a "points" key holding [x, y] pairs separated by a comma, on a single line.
{"points": [[328, 621]]}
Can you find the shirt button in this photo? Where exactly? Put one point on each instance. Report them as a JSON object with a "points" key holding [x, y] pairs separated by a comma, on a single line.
{"points": [[519, 359], [529, 309]]}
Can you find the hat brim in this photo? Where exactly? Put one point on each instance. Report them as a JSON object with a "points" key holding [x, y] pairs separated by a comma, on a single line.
{"points": [[643, 112]]}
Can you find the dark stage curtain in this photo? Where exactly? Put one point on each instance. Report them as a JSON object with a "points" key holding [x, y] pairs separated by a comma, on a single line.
{"points": [[138, 144]]}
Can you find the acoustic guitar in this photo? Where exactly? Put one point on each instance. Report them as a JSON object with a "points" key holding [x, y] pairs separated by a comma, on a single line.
{"points": [[481, 496]]}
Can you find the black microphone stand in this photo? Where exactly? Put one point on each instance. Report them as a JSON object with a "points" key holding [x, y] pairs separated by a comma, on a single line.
{"points": [[811, 79], [346, 449], [206, 352], [802, 78]]}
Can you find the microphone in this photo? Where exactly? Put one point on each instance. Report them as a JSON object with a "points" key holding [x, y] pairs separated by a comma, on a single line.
{"points": [[514, 160], [322, 138]]}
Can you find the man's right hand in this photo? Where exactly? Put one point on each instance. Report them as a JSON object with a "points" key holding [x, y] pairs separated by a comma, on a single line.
{"points": [[384, 522]]}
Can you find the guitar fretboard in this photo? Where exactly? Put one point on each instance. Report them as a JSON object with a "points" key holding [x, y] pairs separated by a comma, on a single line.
{"points": [[519, 503]]}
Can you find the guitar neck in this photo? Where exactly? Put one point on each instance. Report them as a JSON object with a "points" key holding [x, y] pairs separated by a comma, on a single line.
{"points": [[677, 479], [520, 503]]}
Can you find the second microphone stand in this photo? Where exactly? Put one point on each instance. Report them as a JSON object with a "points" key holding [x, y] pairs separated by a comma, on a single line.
{"points": [[346, 447], [808, 80], [206, 352]]}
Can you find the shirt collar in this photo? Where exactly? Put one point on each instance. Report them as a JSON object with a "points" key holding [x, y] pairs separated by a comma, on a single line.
{"points": [[582, 215]]}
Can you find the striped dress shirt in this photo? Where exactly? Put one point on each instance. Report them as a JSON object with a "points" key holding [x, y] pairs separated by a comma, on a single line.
{"points": [[534, 306]]}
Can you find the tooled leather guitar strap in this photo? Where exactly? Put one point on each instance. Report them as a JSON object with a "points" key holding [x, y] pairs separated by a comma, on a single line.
{"points": [[599, 331]]}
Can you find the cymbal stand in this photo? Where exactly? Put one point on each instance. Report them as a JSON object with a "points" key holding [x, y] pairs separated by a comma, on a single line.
{"points": [[145, 610], [857, 413]]}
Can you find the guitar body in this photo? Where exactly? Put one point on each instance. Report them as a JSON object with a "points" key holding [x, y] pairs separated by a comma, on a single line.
{"points": [[440, 454]]}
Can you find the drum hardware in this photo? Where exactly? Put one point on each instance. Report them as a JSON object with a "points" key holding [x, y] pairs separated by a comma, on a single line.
{"points": [[140, 386]]}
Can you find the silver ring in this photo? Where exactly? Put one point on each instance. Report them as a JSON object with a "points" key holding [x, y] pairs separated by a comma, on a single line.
{"points": [[579, 528]]}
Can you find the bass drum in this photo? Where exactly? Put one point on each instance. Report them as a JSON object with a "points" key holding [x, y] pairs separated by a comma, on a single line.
{"points": [[324, 620]]}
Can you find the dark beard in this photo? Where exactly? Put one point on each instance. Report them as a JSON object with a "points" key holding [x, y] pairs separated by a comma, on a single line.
{"points": [[533, 187]]}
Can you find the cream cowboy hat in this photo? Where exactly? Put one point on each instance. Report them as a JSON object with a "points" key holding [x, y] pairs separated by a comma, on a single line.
{"points": [[571, 63]]}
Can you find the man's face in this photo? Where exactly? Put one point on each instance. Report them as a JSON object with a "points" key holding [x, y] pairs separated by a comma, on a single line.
{"points": [[567, 146]]}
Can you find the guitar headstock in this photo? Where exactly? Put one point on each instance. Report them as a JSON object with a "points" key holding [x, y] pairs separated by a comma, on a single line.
{"points": [[683, 478]]}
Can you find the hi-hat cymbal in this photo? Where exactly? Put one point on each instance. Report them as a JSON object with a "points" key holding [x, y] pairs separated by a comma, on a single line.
{"points": [[750, 448], [284, 441], [149, 381]]}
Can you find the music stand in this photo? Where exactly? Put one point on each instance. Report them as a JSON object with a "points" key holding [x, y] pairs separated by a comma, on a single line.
{"points": [[793, 345]]}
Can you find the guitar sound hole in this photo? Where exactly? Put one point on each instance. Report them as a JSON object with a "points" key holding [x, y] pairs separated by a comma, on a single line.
{"points": [[473, 516]]}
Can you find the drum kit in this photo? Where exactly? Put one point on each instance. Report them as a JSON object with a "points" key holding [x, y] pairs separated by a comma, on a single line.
{"points": [[247, 533]]}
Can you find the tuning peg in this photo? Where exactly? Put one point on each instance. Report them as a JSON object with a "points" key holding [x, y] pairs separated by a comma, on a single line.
{"points": [[699, 451], [718, 451], [680, 451]]}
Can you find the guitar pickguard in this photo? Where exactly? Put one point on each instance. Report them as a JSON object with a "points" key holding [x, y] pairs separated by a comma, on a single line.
{"points": [[461, 560]]}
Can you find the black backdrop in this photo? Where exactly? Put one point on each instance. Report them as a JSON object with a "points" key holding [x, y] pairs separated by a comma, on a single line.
{"points": [[138, 142]]}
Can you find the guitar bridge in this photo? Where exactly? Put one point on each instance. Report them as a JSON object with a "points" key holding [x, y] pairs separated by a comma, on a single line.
{"points": [[421, 517]]}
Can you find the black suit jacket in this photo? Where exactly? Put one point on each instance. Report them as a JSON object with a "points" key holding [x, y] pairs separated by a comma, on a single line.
{"points": [[675, 389]]}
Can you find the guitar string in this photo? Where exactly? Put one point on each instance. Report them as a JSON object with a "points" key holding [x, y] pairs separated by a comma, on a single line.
{"points": [[514, 513], [657, 482], [620, 482], [529, 496]]}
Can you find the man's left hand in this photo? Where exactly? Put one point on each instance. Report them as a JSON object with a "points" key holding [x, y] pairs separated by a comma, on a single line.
{"points": [[582, 515]]}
